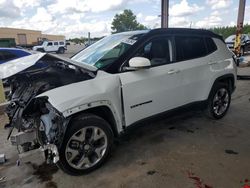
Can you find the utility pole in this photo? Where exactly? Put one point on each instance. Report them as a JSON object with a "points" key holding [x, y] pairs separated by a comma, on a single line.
{"points": [[240, 21], [88, 38], [164, 13]]}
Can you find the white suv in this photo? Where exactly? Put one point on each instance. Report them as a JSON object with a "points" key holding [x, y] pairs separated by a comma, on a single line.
{"points": [[74, 108], [51, 46]]}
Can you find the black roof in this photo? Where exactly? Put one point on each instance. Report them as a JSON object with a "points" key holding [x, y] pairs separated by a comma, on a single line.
{"points": [[188, 31]]}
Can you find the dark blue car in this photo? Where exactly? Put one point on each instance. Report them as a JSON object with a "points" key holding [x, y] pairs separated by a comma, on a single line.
{"points": [[7, 54]]}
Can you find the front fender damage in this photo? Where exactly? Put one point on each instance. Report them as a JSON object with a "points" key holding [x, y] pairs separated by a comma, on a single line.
{"points": [[45, 133]]}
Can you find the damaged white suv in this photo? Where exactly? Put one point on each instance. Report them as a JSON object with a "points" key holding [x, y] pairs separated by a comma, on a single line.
{"points": [[73, 109]]}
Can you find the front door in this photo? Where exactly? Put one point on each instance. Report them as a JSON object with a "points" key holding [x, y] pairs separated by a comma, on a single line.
{"points": [[50, 47], [154, 90]]}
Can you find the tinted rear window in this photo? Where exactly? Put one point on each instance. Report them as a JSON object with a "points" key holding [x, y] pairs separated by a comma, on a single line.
{"points": [[211, 46], [189, 47]]}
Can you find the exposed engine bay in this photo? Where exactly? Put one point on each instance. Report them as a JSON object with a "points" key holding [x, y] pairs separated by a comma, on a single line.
{"points": [[38, 124]]}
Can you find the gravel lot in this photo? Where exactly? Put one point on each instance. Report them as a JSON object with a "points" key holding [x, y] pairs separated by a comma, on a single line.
{"points": [[185, 150]]}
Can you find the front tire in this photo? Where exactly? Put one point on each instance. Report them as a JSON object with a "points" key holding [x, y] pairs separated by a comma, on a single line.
{"points": [[40, 50], [219, 101], [86, 146]]}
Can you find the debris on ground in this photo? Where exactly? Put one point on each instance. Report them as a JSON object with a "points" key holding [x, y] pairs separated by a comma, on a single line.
{"points": [[2, 179], [172, 128], [2, 158], [229, 151], [151, 172]]}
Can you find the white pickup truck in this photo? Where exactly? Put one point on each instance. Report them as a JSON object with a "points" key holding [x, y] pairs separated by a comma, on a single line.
{"points": [[74, 108], [51, 46]]}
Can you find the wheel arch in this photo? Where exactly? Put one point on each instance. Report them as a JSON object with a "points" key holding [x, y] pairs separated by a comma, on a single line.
{"points": [[40, 50], [102, 111], [226, 79], [61, 47]]}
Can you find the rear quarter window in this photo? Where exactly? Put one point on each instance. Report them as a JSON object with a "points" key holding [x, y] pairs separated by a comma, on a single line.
{"points": [[211, 46], [189, 47]]}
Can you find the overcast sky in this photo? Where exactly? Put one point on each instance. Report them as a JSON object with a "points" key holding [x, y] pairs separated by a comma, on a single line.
{"points": [[74, 18]]}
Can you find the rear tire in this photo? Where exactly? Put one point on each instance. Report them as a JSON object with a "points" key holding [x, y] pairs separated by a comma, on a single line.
{"points": [[61, 50], [219, 101], [86, 146]]}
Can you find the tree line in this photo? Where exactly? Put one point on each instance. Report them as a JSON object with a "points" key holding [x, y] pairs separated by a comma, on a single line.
{"points": [[229, 30]]}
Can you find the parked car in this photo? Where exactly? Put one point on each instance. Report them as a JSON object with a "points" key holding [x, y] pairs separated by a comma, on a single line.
{"points": [[51, 46], [75, 107], [7, 54], [245, 43]]}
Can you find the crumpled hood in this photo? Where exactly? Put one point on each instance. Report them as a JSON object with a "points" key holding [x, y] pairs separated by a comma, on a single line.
{"points": [[69, 98], [15, 66]]}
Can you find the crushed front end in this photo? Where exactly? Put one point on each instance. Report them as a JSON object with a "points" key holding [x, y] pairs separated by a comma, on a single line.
{"points": [[41, 127], [34, 124]]}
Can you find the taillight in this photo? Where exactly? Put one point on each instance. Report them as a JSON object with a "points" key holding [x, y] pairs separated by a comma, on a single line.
{"points": [[236, 60]]}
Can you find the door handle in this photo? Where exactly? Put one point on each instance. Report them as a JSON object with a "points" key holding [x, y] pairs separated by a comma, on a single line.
{"points": [[173, 71], [213, 62]]}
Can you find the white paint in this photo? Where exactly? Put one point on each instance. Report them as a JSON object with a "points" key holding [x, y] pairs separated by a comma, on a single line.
{"points": [[146, 92], [138, 62], [103, 90]]}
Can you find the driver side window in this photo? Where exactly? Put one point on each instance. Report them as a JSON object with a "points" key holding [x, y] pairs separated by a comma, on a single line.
{"points": [[159, 51]]}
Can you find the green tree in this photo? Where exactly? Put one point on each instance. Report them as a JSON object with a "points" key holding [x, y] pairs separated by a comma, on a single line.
{"points": [[230, 30], [126, 21]]}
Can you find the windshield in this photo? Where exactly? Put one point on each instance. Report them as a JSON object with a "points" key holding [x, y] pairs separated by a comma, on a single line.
{"points": [[45, 43], [108, 49]]}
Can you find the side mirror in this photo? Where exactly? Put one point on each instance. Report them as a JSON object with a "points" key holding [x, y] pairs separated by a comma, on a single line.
{"points": [[137, 63]]}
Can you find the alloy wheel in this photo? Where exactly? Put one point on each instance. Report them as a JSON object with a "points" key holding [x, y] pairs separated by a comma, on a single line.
{"points": [[86, 147], [220, 101]]}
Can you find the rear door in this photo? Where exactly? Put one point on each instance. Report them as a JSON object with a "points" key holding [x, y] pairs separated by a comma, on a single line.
{"points": [[194, 61], [56, 46], [154, 90]]}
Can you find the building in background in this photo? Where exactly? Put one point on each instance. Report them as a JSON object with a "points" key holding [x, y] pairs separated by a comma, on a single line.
{"points": [[24, 37]]}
